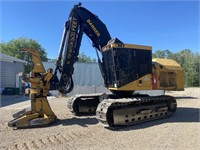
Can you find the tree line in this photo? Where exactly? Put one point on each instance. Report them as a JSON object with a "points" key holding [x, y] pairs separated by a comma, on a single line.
{"points": [[13, 48], [190, 61]]}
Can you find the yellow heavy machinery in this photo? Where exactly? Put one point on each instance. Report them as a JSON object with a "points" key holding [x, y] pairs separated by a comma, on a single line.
{"points": [[40, 112], [125, 68]]}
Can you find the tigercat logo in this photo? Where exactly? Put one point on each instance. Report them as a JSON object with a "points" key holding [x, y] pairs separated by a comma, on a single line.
{"points": [[72, 38], [93, 27]]}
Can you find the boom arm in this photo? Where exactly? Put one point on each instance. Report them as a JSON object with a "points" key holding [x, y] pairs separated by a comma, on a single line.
{"points": [[80, 21]]}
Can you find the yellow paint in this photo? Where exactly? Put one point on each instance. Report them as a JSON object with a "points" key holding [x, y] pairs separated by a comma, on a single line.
{"points": [[93, 27], [170, 74], [143, 83], [40, 108], [72, 38], [129, 46], [38, 67], [169, 64]]}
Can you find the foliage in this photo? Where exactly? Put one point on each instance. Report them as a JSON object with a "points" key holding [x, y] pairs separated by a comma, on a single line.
{"points": [[14, 47], [83, 58], [189, 61], [163, 54], [52, 59]]}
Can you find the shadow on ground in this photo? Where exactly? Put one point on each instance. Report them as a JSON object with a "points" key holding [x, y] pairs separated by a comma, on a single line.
{"points": [[185, 97], [6, 100], [182, 115], [84, 122]]}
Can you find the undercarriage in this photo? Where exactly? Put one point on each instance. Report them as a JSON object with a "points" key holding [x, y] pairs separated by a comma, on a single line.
{"points": [[113, 111]]}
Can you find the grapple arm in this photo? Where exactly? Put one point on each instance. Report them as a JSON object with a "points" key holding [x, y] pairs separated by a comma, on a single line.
{"points": [[80, 21]]}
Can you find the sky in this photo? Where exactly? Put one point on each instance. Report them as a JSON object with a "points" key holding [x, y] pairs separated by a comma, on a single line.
{"points": [[172, 25]]}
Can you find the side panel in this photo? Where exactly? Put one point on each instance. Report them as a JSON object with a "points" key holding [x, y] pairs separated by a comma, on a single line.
{"points": [[170, 80], [108, 67], [126, 65], [143, 83], [180, 80], [132, 64], [167, 75]]}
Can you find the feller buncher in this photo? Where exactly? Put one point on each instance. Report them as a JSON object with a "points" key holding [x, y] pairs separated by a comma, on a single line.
{"points": [[125, 68]]}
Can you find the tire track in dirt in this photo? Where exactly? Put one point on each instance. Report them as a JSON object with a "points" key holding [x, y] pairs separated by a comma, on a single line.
{"points": [[46, 142]]}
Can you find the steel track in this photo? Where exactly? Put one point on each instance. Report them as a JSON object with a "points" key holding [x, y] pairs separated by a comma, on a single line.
{"points": [[129, 111], [113, 111]]}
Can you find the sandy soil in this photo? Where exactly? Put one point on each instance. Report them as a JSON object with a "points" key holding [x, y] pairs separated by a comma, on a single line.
{"points": [[180, 131]]}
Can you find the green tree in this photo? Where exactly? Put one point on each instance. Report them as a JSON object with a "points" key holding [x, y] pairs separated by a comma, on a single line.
{"points": [[159, 54], [81, 58], [190, 63], [163, 54], [14, 47], [52, 59], [84, 58]]}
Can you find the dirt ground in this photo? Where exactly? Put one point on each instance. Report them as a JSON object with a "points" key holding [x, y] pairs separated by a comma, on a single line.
{"points": [[180, 131]]}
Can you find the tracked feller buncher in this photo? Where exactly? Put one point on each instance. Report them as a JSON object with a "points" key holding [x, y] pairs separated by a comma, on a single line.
{"points": [[125, 68]]}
